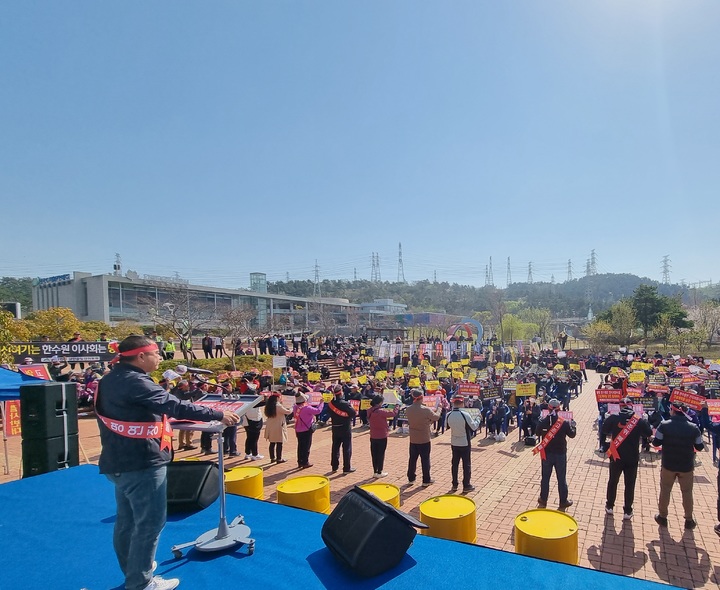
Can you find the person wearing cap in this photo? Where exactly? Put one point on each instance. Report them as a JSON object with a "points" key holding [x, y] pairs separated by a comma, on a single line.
{"points": [[136, 439], [419, 419], [462, 426], [554, 453], [626, 431], [304, 415], [679, 439], [341, 416]]}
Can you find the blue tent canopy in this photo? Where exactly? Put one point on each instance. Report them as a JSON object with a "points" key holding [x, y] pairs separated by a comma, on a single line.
{"points": [[10, 383]]}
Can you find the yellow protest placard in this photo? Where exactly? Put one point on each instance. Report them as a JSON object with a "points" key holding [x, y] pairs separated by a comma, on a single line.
{"points": [[510, 366], [433, 385], [525, 389], [369, 358], [344, 375], [362, 379], [636, 365], [312, 376], [443, 362], [328, 397], [443, 374], [636, 377], [414, 372], [399, 372], [500, 365], [425, 362], [457, 374], [364, 404], [464, 362], [380, 375], [455, 365], [414, 382], [429, 369], [574, 366]]}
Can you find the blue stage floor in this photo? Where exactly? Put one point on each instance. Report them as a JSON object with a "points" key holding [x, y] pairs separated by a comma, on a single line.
{"points": [[56, 533]]}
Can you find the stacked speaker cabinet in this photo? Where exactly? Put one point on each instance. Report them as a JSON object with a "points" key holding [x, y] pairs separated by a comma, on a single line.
{"points": [[48, 418]]}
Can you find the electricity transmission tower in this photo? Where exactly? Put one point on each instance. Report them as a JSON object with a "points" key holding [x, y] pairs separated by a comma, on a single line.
{"points": [[401, 271], [509, 275], [316, 283], [570, 273], [666, 269], [530, 277]]}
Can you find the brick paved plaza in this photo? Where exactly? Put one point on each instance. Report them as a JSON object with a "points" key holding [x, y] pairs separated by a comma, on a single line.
{"points": [[507, 480]]}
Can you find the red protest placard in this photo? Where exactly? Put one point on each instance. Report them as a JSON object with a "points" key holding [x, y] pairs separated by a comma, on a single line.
{"points": [[468, 389], [713, 407], [608, 396], [692, 400], [39, 371], [12, 418]]}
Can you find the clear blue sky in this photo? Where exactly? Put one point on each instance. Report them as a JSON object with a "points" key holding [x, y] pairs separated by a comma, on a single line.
{"points": [[215, 139]]}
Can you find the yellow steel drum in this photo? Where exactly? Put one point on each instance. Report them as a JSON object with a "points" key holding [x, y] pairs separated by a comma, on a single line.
{"points": [[385, 491], [547, 534], [449, 517], [245, 481], [311, 492]]}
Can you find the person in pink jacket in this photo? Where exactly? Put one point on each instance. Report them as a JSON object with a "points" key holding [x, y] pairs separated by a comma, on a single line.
{"points": [[379, 429], [304, 415]]}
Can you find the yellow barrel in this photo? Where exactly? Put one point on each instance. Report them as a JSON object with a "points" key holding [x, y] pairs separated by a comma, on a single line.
{"points": [[385, 491], [548, 534], [311, 492], [450, 517], [245, 481]]}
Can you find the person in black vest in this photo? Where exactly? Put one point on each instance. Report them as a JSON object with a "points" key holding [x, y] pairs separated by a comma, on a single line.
{"points": [[625, 456], [679, 439], [341, 416], [554, 454]]}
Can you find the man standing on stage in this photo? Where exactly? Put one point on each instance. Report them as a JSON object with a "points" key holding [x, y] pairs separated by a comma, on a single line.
{"points": [[626, 430], [679, 439], [553, 432], [341, 415], [461, 424], [419, 419], [132, 414]]}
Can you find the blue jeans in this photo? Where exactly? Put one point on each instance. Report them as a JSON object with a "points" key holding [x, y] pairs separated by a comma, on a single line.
{"points": [[141, 498], [559, 462]]}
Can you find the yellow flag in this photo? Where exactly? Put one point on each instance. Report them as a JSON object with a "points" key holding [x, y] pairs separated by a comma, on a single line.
{"points": [[344, 375]]}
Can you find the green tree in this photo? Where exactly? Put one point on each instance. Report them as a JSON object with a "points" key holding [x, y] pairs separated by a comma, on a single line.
{"points": [[20, 290], [648, 306], [540, 316], [598, 334], [623, 322], [664, 329]]}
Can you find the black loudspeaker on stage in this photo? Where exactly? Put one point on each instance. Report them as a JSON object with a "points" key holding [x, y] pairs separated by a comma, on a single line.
{"points": [[192, 485], [368, 535], [49, 423]]}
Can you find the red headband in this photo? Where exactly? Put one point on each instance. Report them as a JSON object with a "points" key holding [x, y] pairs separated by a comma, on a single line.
{"points": [[137, 351]]}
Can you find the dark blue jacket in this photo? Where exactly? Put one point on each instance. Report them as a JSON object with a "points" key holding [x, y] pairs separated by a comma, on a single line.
{"points": [[128, 394]]}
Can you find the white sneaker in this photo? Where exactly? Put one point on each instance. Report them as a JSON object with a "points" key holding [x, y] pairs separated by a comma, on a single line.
{"points": [[382, 474], [248, 457], [257, 457], [158, 583], [608, 511], [627, 516]]}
